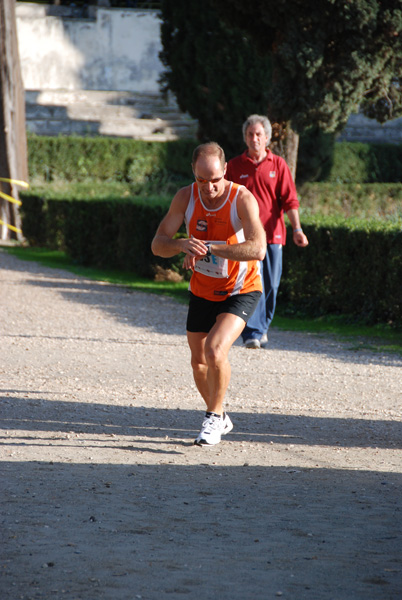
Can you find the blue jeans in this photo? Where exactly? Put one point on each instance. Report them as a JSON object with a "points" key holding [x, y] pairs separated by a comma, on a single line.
{"points": [[271, 270]]}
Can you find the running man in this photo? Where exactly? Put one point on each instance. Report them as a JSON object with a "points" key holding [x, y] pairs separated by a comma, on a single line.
{"points": [[225, 243]]}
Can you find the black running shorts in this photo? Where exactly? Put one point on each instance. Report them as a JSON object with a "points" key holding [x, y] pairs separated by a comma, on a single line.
{"points": [[202, 313]]}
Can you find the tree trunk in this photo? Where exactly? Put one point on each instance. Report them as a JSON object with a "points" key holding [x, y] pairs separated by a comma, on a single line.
{"points": [[13, 143], [285, 143]]}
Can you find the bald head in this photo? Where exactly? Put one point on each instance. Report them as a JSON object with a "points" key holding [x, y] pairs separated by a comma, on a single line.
{"points": [[210, 149]]}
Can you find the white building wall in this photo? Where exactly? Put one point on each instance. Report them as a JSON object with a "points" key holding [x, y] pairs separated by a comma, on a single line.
{"points": [[116, 50]]}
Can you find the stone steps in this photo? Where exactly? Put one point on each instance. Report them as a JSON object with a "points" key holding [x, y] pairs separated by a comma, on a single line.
{"points": [[149, 117], [121, 114]]}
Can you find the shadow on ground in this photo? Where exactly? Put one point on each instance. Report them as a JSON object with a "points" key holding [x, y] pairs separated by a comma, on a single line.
{"points": [[139, 531], [40, 415]]}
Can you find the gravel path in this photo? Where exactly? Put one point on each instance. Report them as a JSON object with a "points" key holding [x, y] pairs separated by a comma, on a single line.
{"points": [[104, 496]]}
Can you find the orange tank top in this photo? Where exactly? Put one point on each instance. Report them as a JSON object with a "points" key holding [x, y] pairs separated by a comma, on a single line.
{"points": [[220, 224]]}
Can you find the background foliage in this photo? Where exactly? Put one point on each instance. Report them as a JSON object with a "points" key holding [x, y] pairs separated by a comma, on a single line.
{"points": [[307, 65], [106, 215], [352, 266], [213, 70], [326, 57], [74, 158], [77, 159]]}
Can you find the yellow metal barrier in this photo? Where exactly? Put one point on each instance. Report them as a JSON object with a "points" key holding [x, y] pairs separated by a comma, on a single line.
{"points": [[11, 199]]}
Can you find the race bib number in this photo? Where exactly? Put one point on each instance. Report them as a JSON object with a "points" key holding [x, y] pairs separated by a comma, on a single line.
{"points": [[213, 266]]}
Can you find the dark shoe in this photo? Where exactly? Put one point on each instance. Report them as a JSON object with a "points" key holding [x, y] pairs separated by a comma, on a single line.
{"points": [[252, 343]]}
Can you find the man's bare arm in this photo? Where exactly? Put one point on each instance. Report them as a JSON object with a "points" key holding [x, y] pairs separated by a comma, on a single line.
{"points": [[164, 243], [254, 247]]}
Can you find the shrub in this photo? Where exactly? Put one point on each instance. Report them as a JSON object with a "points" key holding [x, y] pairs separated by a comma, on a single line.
{"points": [[102, 199], [351, 266], [78, 159], [75, 159], [366, 201], [366, 163]]}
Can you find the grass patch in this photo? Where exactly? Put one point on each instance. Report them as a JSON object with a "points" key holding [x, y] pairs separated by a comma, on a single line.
{"points": [[377, 338]]}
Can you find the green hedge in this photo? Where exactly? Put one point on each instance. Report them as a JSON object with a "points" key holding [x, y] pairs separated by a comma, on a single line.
{"points": [[101, 200], [73, 158], [351, 266], [363, 200], [109, 233], [365, 163], [321, 158]]}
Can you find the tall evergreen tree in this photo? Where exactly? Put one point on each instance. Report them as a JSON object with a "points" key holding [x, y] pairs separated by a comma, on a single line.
{"points": [[213, 70], [384, 100], [327, 57], [317, 61]]}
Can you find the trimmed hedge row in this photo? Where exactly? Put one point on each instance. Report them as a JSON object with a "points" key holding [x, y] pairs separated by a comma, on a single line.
{"points": [[366, 163], [112, 233], [351, 267], [73, 158], [366, 201]]}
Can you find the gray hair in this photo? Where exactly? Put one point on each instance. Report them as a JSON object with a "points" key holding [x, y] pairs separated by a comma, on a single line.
{"points": [[253, 120]]}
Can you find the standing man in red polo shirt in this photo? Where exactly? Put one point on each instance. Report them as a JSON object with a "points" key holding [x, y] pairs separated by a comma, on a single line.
{"points": [[268, 177]]}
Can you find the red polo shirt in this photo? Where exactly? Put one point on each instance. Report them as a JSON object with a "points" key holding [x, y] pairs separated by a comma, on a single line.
{"points": [[271, 183]]}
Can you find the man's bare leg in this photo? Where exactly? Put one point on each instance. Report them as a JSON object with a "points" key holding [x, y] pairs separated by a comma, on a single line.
{"points": [[210, 359], [196, 341]]}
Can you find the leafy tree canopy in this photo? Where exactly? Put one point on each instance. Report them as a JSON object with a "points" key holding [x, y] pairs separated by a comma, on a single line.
{"points": [[327, 57]]}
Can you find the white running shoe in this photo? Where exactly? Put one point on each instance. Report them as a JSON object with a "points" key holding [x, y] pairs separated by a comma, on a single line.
{"points": [[212, 429], [264, 339]]}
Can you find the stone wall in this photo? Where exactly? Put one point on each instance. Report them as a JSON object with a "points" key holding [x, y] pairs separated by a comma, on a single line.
{"points": [[361, 129], [110, 49]]}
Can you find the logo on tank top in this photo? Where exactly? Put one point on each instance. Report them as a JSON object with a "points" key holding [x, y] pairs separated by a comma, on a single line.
{"points": [[201, 225]]}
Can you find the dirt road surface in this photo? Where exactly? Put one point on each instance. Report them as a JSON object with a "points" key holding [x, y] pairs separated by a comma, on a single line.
{"points": [[105, 497]]}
